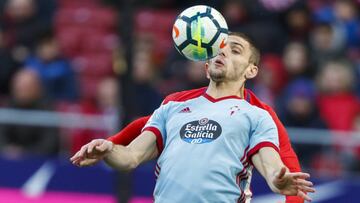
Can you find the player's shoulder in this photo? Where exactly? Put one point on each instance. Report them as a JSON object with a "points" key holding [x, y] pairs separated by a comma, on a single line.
{"points": [[258, 107], [255, 101], [184, 95]]}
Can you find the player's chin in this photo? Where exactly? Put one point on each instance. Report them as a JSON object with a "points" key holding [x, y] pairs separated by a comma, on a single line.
{"points": [[217, 76]]}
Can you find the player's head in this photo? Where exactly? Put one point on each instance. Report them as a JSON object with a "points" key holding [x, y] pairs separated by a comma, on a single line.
{"points": [[238, 60]]}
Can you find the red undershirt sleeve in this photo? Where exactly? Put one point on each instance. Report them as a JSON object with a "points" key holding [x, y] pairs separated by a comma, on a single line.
{"points": [[130, 132]]}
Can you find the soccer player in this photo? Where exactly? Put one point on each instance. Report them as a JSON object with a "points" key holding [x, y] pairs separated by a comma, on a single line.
{"points": [[208, 145]]}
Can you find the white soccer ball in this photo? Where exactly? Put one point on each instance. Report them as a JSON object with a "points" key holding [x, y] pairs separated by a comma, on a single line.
{"points": [[200, 32]]}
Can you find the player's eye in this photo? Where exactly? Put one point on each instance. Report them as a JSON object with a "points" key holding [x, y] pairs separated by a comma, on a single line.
{"points": [[236, 51]]}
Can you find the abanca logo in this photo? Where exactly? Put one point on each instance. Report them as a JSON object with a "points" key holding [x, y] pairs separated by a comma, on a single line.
{"points": [[200, 131]]}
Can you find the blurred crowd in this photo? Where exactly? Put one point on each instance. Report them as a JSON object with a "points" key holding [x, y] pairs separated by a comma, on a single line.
{"points": [[67, 55]]}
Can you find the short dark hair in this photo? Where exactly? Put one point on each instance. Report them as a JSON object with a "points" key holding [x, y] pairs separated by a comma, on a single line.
{"points": [[255, 53]]}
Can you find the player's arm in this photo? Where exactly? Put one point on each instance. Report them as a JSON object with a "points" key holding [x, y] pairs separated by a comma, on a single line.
{"points": [[130, 132], [267, 161], [263, 152], [142, 149], [145, 147], [287, 154]]}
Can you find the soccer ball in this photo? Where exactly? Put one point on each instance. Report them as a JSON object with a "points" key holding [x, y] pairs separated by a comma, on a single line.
{"points": [[200, 32]]}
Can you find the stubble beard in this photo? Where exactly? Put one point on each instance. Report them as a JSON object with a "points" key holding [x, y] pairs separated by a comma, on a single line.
{"points": [[219, 76]]}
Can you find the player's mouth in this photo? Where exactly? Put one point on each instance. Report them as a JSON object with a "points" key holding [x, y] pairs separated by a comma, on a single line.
{"points": [[220, 62]]}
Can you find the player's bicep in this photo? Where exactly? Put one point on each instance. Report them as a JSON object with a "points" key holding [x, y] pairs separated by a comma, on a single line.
{"points": [[143, 148]]}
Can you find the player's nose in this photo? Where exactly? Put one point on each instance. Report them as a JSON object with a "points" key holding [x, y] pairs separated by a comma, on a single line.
{"points": [[222, 53]]}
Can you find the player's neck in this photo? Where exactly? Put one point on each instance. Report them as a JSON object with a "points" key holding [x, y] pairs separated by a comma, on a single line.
{"points": [[219, 90]]}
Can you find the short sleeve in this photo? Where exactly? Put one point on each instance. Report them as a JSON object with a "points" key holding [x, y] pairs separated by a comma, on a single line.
{"points": [[264, 134], [156, 124]]}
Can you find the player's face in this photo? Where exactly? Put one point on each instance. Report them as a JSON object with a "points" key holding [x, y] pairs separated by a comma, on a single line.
{"points": [[231, 63]]}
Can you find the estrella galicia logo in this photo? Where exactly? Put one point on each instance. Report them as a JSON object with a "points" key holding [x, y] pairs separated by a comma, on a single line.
{"points": [[200, 131]]}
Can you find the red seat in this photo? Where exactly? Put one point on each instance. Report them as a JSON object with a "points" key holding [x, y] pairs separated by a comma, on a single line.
{"points": [[69, 39], [74, 16], [98, 42], [77, 3], [101, 18], [154, 21], [94, 65], [88, 86], [105, 19]]}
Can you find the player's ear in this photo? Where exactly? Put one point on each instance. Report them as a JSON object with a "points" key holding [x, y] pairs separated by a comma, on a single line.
{"points": [[251, 71], [207, 69]]}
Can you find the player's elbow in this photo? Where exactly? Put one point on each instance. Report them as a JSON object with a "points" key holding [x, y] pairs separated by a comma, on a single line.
{"points": [[124, 166], [131, 165]]}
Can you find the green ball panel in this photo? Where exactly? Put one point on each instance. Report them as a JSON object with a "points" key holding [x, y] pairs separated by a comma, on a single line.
{"points": [[194, 52]]}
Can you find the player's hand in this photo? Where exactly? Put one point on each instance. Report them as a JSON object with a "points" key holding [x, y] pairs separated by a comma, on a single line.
{"points": [[294, 184], [92, 152]]}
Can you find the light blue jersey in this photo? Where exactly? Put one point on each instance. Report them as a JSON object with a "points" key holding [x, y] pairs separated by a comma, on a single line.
{"points": [[207, 145]]}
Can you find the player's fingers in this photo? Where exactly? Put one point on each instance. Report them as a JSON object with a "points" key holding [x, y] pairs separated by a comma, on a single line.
{"points": [[304, 182], [304, 196], [76, 162], [91, 146], [105, 146], [76, 156], [87, 162], [83, 150], [306, 188], [300, 175], [281, 173]]}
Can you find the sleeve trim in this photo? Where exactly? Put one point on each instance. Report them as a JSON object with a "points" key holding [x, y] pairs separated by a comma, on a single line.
{"points": [[257, 147], [159, 139]]}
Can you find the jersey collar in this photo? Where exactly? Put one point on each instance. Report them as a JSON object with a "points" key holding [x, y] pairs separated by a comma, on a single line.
{"points": [[212, 99]]}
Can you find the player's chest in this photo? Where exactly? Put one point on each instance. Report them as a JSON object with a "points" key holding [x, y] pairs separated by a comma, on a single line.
{"points": [[206, 123]]}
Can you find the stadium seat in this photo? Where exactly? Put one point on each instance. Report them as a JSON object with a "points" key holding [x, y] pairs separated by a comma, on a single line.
{"points": [[95, 65], [88, 86], [69, 39], [99, 42], [101, 18], [77, 3], [154, 21]]}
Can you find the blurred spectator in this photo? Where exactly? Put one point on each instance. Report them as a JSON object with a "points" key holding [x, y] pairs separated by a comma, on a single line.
{"points": [[106, 105], [300, 111], [54, 70], [325, 44], [336, 100], [277, 5], [356, 136], [22, 25], [356, 124], [343, 16], [17, 140], [7, 68], [195, 75], [235, 13], [108, 95], [299, 105], [147, 97], [297, 21], [296, 61], [271, 80], [260, 32]]}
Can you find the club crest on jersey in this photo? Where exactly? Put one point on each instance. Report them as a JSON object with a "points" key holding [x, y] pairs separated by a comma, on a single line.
{"points": [[234, 109], [200, 131]]}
